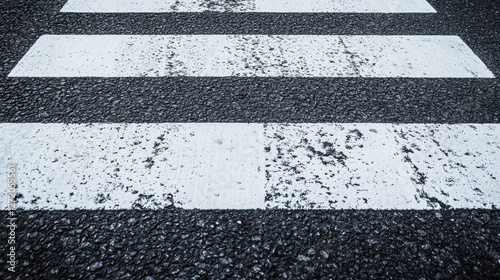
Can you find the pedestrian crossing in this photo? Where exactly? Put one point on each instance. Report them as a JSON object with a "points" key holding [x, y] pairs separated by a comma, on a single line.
{"points": [[253, 165]]}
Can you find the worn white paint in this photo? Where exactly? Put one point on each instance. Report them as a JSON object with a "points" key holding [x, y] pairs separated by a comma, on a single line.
{"points": [[242, 6], [380, 166], [249, 56], [200, 165], [248, 166]]}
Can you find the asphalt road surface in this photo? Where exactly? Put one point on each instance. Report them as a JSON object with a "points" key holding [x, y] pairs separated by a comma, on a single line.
{"points": [[250, 139]]}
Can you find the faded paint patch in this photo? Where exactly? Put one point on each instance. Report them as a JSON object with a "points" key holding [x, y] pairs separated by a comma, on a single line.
{"points": [[383, 166], [135, 165]]}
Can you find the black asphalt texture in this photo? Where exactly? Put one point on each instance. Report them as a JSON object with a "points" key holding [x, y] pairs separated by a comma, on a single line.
{"points": [[263, 244], [252, 244]]}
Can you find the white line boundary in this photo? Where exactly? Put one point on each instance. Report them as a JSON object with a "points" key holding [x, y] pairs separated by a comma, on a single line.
{"points": [[253, 166], [250, 56], [245, 6]]}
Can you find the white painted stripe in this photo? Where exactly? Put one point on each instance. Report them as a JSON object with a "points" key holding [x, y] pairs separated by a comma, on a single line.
{"points": [[242, 166], [242, 6], [249, 56]]}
